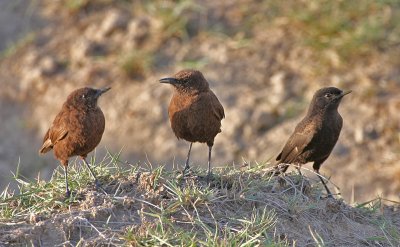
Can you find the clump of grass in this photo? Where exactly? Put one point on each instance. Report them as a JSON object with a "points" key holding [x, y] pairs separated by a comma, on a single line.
{"points": [[174, 16], [247, 231], [194, 64], [35, 197], [389, 232], [136, 64], [75, 6], [14, 47]]}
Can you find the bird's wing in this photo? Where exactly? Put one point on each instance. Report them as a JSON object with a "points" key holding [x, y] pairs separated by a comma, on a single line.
{"points": [[54, 134], [217, 108], [58, 134], [297, 143]]}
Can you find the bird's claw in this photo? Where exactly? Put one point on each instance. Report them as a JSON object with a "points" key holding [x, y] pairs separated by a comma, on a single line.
{"points": [[99, 187], [67, 194], [208, 178], [97, 183], [185, 171]]}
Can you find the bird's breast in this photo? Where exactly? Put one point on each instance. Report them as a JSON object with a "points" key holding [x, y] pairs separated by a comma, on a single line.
{"points": [[180, 102], [89, 131], [192, 118], [327, 134]]}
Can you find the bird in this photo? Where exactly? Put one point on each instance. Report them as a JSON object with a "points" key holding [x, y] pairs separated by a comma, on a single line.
{"points": [[315, 135], [76, 130], [195, 112]]}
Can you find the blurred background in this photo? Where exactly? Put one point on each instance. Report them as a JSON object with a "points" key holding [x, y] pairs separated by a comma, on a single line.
{"points": [[263, 59]]}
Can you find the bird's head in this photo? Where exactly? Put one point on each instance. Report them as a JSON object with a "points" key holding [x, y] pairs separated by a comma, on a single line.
{"points": [[187, 81], [86, 97], [327, 98]]}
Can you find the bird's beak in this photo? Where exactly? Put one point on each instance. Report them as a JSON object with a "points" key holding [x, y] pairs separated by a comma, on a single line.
{"points": [[344, 93], [172, 81], [102, 90]]}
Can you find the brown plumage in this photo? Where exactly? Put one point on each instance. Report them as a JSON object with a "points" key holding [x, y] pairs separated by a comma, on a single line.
{"points": [[315, 136], [77, 128], [194, 111]]}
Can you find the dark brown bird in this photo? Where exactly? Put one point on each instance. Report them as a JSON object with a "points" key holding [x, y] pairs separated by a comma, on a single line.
{"points": [[315, 136], [194, 111], [77, 129]]}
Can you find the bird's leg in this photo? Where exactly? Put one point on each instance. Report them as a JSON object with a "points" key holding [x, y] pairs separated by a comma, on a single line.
{"points": [[67, 191], [298, 169], [96, 182], [209, 164], [187, 167], [323, 182]]}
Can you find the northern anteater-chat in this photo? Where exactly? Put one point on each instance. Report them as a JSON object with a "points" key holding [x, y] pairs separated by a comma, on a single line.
{"points": [[315, 136], [77, 129], [195, 113]]}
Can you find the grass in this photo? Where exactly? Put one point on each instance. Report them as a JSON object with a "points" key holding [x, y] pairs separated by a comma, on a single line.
{"points": [[174, 15], [194, 64], [14, 47], [40, 197], [147, 207], [352, 29], [136, 64], [338, 32], [75, 5]]}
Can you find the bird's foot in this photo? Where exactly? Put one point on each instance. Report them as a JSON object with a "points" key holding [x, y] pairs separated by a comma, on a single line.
{"points": [[97, 183], [282, 180], [328, 196], [186, 171], [67, 194], [99, 187], [299, 171], [276, 171], [208, 177]]}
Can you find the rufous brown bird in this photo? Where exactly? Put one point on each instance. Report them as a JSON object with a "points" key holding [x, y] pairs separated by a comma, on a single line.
{"points": [[195, 113], [315, 136], [77, 129]]}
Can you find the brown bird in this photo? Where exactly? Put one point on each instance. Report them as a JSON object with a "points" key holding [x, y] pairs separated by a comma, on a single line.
{"points": [[315, 136], [194, 111], [77, 129]]}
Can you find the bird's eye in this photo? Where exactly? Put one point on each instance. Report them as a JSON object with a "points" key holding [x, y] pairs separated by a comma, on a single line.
{"points": [[328, 95], [84, 96]]}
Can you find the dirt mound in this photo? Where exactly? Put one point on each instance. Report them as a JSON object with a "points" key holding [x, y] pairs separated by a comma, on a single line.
{"points": [[161, 208]]}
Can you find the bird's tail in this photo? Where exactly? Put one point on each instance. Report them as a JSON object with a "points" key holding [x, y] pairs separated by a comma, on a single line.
{"points": [[47, 146]]}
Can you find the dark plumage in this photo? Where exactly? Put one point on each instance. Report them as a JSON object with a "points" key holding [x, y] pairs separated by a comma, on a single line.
{"points": [[194, 111], [77, 128], [315, 136]]}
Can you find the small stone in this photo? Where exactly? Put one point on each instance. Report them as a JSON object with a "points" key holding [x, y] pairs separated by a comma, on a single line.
{"points": [[278, 90], [48, 65]]}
